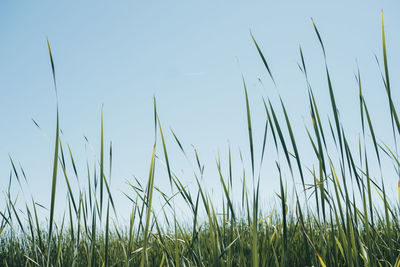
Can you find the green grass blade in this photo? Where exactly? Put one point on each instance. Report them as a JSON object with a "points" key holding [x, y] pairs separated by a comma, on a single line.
{"points": [[263, 59], [53, 191], [249, 127], [101, 162], [150, 186]]}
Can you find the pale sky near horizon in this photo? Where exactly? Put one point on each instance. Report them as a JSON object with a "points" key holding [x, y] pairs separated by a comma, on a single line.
{"points": [[191, 57]]}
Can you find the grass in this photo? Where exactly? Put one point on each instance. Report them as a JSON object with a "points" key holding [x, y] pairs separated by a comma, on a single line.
{"points": [[330, 223]]}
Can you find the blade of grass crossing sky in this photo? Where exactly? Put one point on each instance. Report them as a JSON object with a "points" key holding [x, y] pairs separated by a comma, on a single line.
{"points": [[304, 69], [73, 162], [281, 138], [358, 79], [17, 217], [68, 185], [313, 104], [101, 163], [318, 124], [272, 125], [226, 190], [149, 199], [371, 129], [165, 150], [393, 112], [179, 143], [106, 256], [351, 164], [55, 165], [319, 37], [263, 59], [230, 166], [38, 231], [292, 139], [264, 143], [52, 67], [15, 170], [249, 127], [331, 94]]}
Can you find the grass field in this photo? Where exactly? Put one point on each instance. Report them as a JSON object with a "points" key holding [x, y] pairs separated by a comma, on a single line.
{"points": [[328, 223]]}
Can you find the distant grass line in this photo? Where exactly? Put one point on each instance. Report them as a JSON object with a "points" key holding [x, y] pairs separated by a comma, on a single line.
{"points": [[338, 231]]}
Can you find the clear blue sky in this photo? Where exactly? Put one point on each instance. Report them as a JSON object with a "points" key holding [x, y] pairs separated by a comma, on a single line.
{"points": [[191, 56]]}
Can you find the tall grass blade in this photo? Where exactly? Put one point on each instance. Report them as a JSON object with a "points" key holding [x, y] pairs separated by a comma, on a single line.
{"points": [[263, 58], [55, 164], [250, 129], [149, 199]]}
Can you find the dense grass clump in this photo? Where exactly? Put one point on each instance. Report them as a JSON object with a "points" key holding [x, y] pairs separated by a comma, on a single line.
{"points": [[343, 218]]}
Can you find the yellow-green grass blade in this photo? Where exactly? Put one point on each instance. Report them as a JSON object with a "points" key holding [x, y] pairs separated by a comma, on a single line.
{"points": [[111, 161], [387, 80]]}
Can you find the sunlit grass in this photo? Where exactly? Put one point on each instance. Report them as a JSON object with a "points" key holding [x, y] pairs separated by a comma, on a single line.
{"points": [[326, 226]]}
